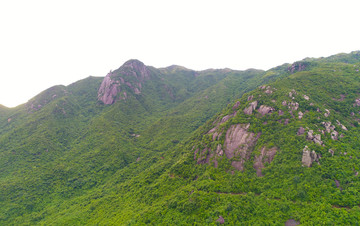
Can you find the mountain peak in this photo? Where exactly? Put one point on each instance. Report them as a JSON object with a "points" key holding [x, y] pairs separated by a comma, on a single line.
{"points": [[132, 74], [133, 62]]}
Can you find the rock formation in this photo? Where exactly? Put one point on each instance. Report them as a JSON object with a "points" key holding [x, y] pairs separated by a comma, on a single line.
{"points": [[309, 157], [266, 155], [263, 110], [132, 74], [251, 108]]}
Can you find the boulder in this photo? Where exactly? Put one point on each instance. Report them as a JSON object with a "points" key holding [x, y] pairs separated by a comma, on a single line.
{"points": [[251, 108], [263, 110], [301, 115], [301, 131], [327, 113], [221, 220], [309, 157]]}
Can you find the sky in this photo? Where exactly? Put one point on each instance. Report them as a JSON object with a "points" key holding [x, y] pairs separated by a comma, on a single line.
{"points": [[45, 43]]}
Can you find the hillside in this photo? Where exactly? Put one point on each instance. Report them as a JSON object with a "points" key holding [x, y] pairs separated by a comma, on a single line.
{"points": [[68, 141], [176, 146]]}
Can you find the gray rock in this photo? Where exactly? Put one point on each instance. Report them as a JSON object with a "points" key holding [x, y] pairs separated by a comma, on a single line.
{"points": [[291, 222], [301, 131], [309, 157], [327, 113], [263, 110], [301, 115], [251, 108], [221, 220], [236, 105]]}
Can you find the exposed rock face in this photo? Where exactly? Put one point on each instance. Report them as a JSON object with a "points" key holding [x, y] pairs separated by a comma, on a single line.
{"points": [[266, 155], [316, 138], [236, 105], [108, 90], [132, 74], [250, 97], [306, 97], [297, 66], [251, 108], [238, 139], [263, 110], [238, 142], [309, 157]]}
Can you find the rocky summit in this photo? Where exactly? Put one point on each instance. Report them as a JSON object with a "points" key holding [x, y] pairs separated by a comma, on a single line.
{"points": [[175, 146]]}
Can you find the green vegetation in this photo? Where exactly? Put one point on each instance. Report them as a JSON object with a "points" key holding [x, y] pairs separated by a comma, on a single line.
{"points": [[66, 158]]}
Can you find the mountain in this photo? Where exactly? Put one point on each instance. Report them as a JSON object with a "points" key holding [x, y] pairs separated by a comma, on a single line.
{"points": [[176, 146]]}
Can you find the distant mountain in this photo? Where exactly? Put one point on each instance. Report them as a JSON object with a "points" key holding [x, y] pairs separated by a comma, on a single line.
{"points": [[176, 146]]}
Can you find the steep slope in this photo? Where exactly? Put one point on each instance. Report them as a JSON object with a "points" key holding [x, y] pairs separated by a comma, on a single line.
{"points": [[285, 152], [67, 143]]}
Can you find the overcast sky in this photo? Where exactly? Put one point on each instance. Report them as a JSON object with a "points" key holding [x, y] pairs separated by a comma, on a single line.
{"points": [[46, 43]]}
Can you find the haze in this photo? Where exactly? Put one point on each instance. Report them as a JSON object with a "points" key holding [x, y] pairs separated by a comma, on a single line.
{"points": [[46, 43]]}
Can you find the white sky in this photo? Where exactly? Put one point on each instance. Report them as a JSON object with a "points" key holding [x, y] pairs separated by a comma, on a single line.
{"points": [[46, 43]]}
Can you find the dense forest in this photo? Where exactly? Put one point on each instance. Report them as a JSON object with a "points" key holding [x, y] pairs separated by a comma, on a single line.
{"points": [[175, 146]]}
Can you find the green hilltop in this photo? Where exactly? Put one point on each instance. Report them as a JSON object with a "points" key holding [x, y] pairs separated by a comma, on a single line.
{"points": [[177, 146]]}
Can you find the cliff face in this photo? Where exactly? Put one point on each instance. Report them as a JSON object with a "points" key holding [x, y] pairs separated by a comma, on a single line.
{"points": [[132, 74]]}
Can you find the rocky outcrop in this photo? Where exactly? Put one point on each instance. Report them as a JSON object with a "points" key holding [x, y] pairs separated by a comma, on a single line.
{"points": [[220, 220], [266, 156], [327, 113], [238, 143], [298, 66], [292, 93], [300, 115], [236, 105], [238, 140], [315, 138], [293, 106], [108, 90], [301, 131], [132, 75], [263, 110], [306, 97], [309, 157], [46, 97], [251, 108], [341, 125]]}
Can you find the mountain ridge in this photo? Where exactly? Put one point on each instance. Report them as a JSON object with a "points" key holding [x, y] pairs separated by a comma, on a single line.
{"points": [[237, 147]]}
